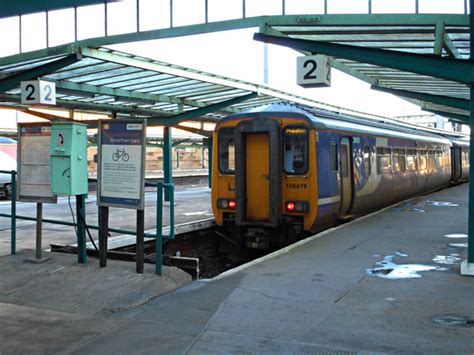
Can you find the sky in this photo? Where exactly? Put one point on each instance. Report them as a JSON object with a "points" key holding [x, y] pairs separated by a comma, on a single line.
{"points": [[232, 53]]}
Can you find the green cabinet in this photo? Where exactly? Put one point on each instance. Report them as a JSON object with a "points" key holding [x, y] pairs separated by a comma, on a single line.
{"points": [[68, 158]]}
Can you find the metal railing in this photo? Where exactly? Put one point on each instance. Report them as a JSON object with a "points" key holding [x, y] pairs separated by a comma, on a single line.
{"points": [[158, 235]]}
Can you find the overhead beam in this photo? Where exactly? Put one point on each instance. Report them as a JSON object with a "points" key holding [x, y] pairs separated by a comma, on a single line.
{"points": [[123, 94], [199, 131], [452, 116], [450, 47], [462, 104], [13, 81], [446, 68], [15, 8], [439, 38], [193, 114]]}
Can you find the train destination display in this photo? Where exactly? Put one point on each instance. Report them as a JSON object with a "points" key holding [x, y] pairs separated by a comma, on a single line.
{"points": [[121, 166]]}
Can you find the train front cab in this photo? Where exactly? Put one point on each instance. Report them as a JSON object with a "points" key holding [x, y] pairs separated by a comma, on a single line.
{"points": [[264, 184]]}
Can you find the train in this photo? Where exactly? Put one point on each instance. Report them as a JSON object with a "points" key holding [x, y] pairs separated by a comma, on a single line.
{"points": [[8, 151], [281, 171]]}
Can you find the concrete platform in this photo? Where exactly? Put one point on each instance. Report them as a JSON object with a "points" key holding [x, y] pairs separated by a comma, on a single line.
{"points": [[315, 297]]}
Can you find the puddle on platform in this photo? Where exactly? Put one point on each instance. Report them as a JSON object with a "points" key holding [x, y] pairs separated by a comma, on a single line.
{"points": [[389, 270], [441, 204], [452, 259], [456, 235], [419, 206], [458, 245], [453, 320]]}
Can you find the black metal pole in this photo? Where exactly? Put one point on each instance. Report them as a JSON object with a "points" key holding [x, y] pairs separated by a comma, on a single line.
{"points": [[103, 234], [81, 229], [140, 240], [39, 229]]}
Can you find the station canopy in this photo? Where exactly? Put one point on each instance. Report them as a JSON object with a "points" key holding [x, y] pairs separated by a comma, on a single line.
{"points": [[101, 80], [436, 36], [92, 78]]}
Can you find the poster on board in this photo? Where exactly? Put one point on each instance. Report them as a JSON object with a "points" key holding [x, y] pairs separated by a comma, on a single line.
{"points": [[121, 164], [34, 163]]}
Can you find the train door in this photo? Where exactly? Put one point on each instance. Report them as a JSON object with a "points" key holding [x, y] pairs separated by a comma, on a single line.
{"points": [[456, 163], [257, 172], [347, 183]]}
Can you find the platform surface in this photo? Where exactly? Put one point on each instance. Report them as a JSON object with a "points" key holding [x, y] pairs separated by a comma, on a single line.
{"points": [[317, 297]]}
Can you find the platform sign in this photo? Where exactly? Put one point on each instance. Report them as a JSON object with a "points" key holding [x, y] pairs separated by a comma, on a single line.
{"points": [[38, 92], [34, 163], [121, 164], [313, 71]]}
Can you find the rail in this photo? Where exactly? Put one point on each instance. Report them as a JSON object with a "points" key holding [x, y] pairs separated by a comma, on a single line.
{"points": [[169, 187]]}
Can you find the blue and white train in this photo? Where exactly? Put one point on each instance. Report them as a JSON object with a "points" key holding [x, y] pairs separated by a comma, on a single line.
{"points": [[282, 169]]}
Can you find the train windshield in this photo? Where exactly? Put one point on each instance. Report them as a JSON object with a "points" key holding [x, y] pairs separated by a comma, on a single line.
{"points": [[295, 150], [226, 150]]}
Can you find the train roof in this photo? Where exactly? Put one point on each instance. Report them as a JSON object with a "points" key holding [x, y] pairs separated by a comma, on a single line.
{"points": [[329, 120], [5, 140]]}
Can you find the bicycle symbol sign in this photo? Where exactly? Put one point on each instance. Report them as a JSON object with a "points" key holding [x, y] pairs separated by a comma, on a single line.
{"points": [[120, 153]]}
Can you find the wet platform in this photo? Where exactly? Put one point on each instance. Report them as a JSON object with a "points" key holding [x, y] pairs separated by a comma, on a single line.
{"points": [[352, 289]]}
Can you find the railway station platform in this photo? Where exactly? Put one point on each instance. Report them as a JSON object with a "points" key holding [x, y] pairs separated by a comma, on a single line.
{"points": [[385, 283]]}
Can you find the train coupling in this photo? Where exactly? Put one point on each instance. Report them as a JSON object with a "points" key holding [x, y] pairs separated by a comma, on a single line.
{"points": [[256, 239]]}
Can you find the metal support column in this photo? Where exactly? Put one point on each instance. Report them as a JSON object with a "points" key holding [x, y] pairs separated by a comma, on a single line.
{"points": [[467, 267], [81, 229], [470, 242], [167, 159]]}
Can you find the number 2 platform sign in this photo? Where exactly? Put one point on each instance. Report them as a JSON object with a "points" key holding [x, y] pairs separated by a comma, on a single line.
{"points": [[313, 71], [121, 163]]}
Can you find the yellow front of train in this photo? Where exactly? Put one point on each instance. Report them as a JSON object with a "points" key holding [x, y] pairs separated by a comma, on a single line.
{"points": [[264, 179]]}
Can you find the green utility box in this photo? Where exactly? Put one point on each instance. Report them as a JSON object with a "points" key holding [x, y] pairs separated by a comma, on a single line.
{"points": [[68, 158]]}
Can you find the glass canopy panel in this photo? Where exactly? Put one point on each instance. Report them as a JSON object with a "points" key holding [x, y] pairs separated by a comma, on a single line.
{"points": [[154, 14], [90, 21], [121, 17], [188, 12], [298, 7], [61, 27], [33, 32]]}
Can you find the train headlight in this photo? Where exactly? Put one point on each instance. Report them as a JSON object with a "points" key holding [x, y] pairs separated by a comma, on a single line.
{"points": [[297, 206], [226, 203]]}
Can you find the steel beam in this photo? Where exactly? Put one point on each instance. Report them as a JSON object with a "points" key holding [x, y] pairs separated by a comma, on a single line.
{"points": [[452, 116], [13, 81], [123, 94], [458, 70], [462, 104], [174, 120], [167, 159]]}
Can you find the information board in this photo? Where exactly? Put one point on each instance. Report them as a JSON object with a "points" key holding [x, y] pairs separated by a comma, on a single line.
{"points": [[121, 165], [34, 163]]}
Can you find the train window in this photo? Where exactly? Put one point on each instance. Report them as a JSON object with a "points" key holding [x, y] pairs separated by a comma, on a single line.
{"points": [[226, 150], [333, 157], [439, 158], [344, 160], [422, 160], [295, 150], [367, 162], [431, 159], [399, 160], [411, 160], [384, 160]]}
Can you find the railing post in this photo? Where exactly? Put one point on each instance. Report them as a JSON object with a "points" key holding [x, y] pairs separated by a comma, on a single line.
{"points": [[159, 228], [13, 214], [81, 229]]}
